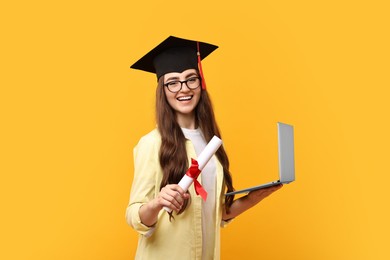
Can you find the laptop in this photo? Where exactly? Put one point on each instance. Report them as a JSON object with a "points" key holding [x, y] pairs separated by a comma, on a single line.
{"points": [[286, 160]]}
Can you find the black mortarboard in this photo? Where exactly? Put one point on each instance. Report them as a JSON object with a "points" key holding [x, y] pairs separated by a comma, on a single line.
{"points": [[175, 55]]}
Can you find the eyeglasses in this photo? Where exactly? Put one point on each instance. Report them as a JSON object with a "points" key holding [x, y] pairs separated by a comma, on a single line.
{"points": [[176, 85]]}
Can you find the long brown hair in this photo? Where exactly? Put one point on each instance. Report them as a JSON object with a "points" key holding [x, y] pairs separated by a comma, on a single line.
{"points": [[173, 155]]}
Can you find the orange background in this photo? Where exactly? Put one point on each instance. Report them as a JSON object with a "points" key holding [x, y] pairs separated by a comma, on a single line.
{"points": [[72, 110]]}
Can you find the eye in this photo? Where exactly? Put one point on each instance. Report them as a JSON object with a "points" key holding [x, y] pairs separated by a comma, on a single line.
{"points": [[172, 83], [192, 80]]}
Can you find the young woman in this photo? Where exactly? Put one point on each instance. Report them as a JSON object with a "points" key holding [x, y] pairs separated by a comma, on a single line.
{"points": [[185, 124]]}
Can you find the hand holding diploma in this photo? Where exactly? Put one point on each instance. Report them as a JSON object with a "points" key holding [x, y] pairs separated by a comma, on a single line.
{"points": [[197, 166]]}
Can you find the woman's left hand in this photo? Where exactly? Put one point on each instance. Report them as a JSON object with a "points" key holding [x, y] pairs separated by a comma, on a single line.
{"points": [[258, 195], [244, 203]]}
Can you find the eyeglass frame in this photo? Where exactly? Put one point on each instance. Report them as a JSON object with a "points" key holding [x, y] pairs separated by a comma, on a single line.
{"points": [[181, 84]]}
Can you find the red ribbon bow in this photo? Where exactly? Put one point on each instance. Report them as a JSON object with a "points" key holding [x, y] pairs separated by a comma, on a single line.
{"points": [[194, 172]]}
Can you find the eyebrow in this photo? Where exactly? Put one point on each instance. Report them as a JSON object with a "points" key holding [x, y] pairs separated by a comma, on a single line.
{"points": [[191, 74], [170, 78], [178, 78]]}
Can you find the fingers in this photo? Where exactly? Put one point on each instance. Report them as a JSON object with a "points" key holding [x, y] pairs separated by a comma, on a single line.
{"points": [[272, 189], [275, 188], [172, 196], [259, 195]]}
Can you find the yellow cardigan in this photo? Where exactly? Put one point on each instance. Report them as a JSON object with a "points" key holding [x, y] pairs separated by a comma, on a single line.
{"points": [[181, 238]]}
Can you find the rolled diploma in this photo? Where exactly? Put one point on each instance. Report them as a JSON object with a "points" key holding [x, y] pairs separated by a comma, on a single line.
{"points": [[203, 158]]}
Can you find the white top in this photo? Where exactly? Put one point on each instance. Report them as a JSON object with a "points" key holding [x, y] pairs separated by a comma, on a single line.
{"points": [[208, 180]]}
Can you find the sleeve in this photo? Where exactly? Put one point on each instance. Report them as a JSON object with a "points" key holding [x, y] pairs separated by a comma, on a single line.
{"points": [[144, 183], [224, 223]]}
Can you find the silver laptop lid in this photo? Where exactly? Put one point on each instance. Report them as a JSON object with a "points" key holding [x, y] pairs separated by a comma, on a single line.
{"points": [[286, 153]]}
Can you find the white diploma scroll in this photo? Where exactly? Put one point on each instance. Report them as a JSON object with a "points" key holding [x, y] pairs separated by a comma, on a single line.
{"points": [[203, 158]]}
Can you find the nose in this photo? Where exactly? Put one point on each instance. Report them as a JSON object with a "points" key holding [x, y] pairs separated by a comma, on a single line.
{"points": [[184, 87]]}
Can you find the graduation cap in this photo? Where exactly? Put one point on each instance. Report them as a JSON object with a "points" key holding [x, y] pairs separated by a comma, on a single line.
{"points": [[175, 55]]}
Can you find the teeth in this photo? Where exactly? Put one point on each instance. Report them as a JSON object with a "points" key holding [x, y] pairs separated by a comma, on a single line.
{"points": [[184, 98]]}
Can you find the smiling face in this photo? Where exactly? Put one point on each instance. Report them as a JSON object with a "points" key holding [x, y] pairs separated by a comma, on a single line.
{"points": [[184, 101]]}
